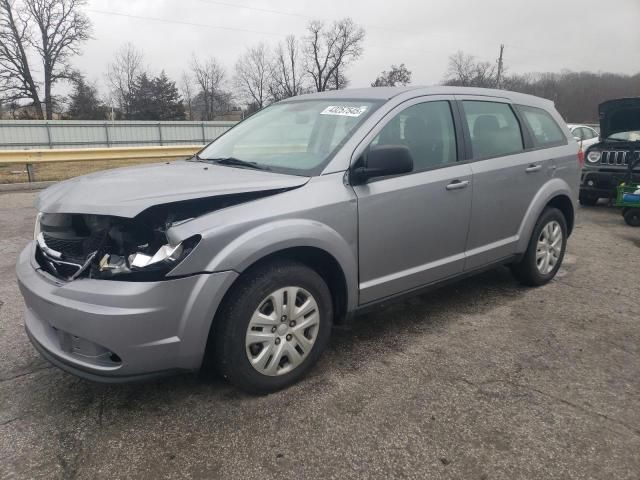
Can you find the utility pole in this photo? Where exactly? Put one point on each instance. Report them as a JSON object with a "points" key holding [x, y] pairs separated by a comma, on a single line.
{"points": [[500, 67]]}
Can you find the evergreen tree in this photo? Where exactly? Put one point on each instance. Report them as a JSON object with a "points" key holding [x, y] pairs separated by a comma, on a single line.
{"points": [[84, 103], [169, 103], [143, 102], [156, 99]]}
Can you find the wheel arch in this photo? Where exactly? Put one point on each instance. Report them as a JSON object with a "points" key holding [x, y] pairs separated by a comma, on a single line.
{"points": [[556, 193], [319, 260], [565, 205]]}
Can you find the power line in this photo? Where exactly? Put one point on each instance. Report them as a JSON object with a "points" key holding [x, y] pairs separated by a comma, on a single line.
{"points": [[256, 9], [300, 15], [237, 29], [180, 22]]}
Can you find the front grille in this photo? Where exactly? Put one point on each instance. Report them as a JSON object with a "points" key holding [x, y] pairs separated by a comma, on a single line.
{"points": [[75, 252], [69, 247], [619, 158]]}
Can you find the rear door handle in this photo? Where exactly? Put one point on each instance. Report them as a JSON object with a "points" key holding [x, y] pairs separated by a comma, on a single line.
{"points": [[533, 168], [457, 185]]}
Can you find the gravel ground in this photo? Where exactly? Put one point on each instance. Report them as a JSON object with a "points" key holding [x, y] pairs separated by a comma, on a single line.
{"points": [[483, 379]]}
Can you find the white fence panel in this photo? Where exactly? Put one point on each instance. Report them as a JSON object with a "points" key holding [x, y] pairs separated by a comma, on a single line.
{"points": [[38, 134]]}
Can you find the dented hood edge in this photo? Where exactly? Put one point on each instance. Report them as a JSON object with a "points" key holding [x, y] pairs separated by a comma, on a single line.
{"points": [[127, 192]]}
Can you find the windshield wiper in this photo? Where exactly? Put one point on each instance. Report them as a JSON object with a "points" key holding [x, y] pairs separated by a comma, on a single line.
{"points": [[236, 162]]}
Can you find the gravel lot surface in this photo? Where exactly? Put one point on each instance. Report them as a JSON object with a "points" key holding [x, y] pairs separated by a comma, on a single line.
{"points": [[483, 379]]}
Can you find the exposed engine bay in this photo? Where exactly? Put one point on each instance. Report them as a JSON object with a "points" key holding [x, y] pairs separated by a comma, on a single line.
{"points": [[73, 245]]}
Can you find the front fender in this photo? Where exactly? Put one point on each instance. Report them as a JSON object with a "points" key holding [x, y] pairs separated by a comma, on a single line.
{"points": [[553, 188], [269, 238]]}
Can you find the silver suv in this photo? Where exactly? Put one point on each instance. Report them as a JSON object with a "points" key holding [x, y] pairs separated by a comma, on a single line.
{"points": [[243, 256]]}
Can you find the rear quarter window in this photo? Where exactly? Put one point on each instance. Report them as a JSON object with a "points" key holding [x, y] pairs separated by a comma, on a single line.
{"points": [[544, 129]]}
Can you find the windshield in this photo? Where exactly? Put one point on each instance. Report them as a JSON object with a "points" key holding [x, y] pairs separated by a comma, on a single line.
{"points": [[631, 136], [297, 137]]}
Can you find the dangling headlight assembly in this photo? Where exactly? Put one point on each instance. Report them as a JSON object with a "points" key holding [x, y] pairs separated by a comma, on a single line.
{"points": [[594, 156], [144, 265], [76, 246]]}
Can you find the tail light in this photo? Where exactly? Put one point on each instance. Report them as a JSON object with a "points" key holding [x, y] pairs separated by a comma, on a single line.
{"points": [[581, 157]]}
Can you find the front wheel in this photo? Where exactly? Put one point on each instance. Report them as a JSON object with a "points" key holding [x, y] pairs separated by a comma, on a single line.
{"points": [[273, 327], [632, 217], [546, 249]]}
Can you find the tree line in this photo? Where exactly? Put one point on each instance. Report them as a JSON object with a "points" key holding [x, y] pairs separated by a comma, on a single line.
{"points": [[38, 39], [43, 35], [576, 94]]}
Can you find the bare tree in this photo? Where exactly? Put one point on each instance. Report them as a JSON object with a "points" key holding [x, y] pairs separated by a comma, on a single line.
{"points": [[253, 71], [329, 50], [16, 80], [465, 71], [209, 76], [60, 28], [396, 76], [287, 72], [122, 74], [187, 90]]}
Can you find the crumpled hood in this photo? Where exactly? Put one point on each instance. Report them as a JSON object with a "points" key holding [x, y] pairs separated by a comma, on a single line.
{"points": [[126, 192], [619, 115]]}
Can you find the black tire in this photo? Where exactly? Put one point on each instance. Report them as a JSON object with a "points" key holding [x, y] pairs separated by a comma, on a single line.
{"points": [[632, 217], [230, 328], [526, 270], [588, 200]]}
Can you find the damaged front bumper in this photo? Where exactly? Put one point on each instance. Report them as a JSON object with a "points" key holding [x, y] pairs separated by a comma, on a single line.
{"points": [[117, 331]]}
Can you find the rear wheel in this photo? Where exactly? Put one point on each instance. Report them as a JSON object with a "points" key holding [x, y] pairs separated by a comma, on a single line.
{"points": [[632, 217], [546, 249], [273, 327], [588, 200]]}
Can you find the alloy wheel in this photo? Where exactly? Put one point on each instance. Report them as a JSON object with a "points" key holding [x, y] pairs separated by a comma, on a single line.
{"points": [[549, 247]]}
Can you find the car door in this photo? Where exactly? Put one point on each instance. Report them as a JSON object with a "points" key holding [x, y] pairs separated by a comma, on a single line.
{"points": [[412, 228], [505, 178]]}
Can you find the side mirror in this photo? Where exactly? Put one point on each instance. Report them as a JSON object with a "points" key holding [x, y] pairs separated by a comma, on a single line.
{"points": [[382, 161]]}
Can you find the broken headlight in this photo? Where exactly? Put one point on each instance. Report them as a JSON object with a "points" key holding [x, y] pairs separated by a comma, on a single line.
{"points": [[144, 265]]}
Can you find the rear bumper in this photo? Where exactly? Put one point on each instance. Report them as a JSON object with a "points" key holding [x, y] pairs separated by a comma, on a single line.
{"points": [[119, 331]]}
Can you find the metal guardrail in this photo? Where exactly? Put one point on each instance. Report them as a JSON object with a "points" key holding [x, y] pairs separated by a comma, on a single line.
{"points": [[31, 157], [53, 134]]}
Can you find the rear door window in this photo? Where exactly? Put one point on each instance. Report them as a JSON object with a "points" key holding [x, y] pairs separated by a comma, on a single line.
{"points": [[544, 129], [493, 127]]}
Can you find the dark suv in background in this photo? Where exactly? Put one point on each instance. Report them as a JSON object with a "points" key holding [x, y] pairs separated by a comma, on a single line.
{"points": [[615, 158]]}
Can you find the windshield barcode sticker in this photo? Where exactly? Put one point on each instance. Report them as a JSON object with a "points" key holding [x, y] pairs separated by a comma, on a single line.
{"points": [[343, 110]]}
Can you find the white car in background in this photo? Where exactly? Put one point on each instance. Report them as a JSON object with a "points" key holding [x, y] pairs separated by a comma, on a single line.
{"points": [[584, 134]]}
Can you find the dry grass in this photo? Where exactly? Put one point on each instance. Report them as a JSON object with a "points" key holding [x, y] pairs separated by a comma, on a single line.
{"points": [[17, 173]]}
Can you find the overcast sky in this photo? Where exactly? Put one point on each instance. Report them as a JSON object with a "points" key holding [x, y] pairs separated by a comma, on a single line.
{"points": [[539, 35]]}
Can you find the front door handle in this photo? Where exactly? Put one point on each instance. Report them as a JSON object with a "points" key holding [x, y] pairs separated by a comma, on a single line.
{"points": [[533, 168], [457, 185]]}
